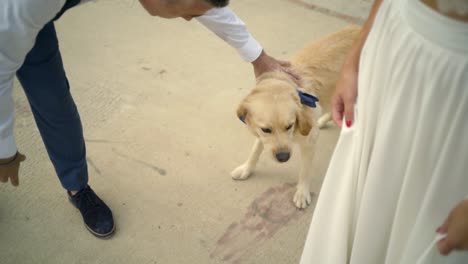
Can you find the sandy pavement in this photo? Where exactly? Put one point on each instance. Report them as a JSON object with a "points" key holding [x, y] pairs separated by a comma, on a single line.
{"points": [[157, 99]]}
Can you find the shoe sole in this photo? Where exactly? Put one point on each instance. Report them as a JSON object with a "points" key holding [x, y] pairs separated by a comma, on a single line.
{"points": [[101, 236], [98, 235]]}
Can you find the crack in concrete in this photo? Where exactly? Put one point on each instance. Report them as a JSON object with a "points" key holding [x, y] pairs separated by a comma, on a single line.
{"points": [[329, 12], [93, 165], [161, 171]]}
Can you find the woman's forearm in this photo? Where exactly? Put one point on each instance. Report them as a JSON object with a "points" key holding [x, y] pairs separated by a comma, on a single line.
{"points": [[352, 60]]}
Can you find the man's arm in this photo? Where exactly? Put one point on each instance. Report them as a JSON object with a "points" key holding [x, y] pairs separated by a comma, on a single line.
{"points": [[21, 21], [229, 27]]}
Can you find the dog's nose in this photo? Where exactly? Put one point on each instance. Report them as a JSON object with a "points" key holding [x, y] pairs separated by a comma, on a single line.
{"points": [[282, 156]]}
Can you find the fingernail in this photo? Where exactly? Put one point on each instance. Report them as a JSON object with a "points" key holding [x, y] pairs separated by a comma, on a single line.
{"points": [[438, 230], [349, 123]]}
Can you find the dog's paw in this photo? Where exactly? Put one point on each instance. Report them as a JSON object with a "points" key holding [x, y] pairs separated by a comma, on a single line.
{"points": [[322, 123], [241, 173], [323, 120], [302, 198]]}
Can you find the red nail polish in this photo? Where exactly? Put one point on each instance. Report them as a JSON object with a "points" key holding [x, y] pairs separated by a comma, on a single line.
{"points": [[349, 123]]}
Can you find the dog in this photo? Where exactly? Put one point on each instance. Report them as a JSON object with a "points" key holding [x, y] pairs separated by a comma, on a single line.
{"points": [[279, 113]]}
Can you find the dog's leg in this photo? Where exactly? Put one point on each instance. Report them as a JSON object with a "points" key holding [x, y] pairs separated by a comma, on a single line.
{"points": [[302, 197], [324, 119], [243, 171]]}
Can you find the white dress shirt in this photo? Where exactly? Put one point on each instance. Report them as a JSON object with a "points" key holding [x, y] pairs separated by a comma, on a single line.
{"points": [[21, 21]]}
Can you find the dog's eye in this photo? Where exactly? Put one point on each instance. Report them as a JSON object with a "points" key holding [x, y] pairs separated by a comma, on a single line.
{"points": [[289, 127], [266, 130]]}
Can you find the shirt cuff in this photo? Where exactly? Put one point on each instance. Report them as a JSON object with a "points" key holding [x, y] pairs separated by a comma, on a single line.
{"points": [[7, 147], [251, 50]]}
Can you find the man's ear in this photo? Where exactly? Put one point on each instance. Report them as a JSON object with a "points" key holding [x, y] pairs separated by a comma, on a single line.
{"points": [[242, 111], [303, 121]]}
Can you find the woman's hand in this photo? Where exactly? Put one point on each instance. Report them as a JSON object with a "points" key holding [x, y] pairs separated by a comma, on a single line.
{"points": [[456, 228], [347, 86], [345, 95]]}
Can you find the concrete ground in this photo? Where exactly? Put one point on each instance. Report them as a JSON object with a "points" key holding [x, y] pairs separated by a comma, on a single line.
{"points": [[157, 100]]}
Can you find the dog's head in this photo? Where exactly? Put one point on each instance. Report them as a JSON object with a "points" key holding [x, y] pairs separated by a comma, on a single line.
{"points": [[273, 112]]}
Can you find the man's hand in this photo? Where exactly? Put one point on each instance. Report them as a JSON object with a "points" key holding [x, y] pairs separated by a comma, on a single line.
{"points": [[456, 228], [9, 168], [265, 63]]}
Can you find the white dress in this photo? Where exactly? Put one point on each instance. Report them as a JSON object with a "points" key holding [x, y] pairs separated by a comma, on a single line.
{"points": [[403, 166]]}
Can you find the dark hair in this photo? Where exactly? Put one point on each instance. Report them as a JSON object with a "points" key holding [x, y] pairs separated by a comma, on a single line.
{"points": [[218, 3]]}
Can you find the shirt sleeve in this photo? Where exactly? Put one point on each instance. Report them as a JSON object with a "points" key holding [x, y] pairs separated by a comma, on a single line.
{"points": [[21, 21], [229, 27]]}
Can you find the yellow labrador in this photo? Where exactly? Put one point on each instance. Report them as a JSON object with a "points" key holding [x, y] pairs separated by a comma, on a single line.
{"points": [[279, 113]]}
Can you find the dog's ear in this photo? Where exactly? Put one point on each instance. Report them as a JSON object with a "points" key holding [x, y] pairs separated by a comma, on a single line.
{"points": [[242, 111], [303, 121], [303, 117]]}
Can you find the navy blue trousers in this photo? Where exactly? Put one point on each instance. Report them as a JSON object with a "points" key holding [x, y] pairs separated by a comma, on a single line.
{"points": [[46, 86]]}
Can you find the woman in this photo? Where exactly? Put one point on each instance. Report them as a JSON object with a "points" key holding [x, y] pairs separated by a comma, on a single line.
{"points": [[395, 188]]}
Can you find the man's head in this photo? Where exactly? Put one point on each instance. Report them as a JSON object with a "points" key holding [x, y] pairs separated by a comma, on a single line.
{"points": [[186, 9]]}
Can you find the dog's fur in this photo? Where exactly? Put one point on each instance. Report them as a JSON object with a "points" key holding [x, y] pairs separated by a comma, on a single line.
{"points": [[275, 105]]}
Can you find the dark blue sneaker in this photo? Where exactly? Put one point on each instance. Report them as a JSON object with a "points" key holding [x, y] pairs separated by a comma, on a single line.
{"points": [[96, 214]]}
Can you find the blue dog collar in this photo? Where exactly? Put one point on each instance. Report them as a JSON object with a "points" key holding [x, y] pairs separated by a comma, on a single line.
{"points": [[306, 99], [242, 118]]}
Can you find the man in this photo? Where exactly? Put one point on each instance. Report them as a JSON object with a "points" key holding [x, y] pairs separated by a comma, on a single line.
{"points": [[29, 48]]}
